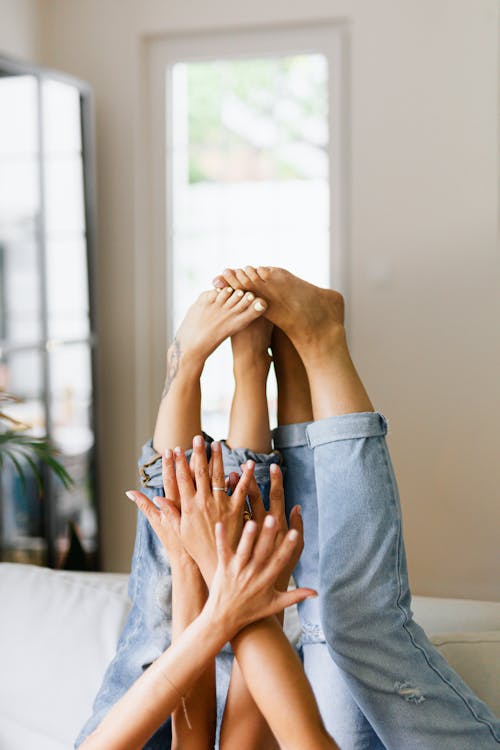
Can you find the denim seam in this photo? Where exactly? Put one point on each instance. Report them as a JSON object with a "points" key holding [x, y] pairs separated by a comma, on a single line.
{"points": [[405, 615]]}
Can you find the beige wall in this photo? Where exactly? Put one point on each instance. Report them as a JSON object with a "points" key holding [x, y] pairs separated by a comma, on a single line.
{"points": [[424, 262], [20, 28]]}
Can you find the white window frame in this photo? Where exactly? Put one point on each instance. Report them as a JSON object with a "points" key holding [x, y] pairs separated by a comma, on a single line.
{"points": [[153, 237]]}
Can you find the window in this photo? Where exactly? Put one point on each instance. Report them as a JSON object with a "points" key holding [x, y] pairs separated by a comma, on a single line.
{"points": [[253, 168]]}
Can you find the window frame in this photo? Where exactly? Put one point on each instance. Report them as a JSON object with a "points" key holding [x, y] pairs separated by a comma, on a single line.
{"points": [[154, 209]]}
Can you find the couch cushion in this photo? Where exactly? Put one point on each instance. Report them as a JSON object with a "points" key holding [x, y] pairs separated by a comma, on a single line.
{"points": [[476, 658], [58, 633]]}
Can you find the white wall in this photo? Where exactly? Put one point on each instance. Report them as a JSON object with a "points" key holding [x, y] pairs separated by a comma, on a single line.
{"points": [[20, 28], [424, 302]]}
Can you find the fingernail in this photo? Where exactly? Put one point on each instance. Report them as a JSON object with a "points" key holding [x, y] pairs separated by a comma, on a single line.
{"points": [[269, 521], [274, 469], [198, 441], [248, 268], [293, 534], [250, 464], [130, 496], [259, 307], [215, 446], [177, 450], [239, 292], [228, 289], [250, 296], [298, 510], [168, 453], [218, 283]]}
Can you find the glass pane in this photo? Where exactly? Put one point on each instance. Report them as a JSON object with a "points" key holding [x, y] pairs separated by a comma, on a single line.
{"points": [[67, 288], [20, 319], [71, 403], [18, 117], [61, 118], [19, 193], [65, 210], [22, 511], [250, 178]]}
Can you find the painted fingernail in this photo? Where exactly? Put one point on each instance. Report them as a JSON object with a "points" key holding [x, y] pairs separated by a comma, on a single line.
{"points": [[239, 292], [274, 469], [269, 522], [259, 307], [130, 496], [250, 296], [198, 441]]}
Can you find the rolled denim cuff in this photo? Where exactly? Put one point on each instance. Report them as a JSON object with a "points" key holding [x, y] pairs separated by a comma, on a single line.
{"points": [[346, 427], [290, 435], [150, 462], [234, 457]]}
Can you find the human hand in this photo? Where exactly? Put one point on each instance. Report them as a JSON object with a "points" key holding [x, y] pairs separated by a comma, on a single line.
{"points": [[243, 585], [202, 506], [163, 514], [277, 510]]}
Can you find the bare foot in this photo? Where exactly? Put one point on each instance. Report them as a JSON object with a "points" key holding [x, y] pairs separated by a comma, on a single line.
{"points": [[215, 316], [306, 313]]}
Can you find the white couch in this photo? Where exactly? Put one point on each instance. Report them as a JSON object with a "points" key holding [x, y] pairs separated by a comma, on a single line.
{"points": [[58, 632]]}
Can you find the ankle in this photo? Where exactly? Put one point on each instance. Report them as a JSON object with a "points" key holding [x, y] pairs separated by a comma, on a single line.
{"points": [[251, 364], [184, 363]]}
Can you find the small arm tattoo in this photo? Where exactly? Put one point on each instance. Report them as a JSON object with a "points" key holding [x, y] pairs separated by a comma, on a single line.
{"points": [[173, 360]]}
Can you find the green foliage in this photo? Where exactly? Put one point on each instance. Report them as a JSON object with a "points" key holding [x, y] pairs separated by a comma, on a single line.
{"points": [[26, 451], [261, 87]]}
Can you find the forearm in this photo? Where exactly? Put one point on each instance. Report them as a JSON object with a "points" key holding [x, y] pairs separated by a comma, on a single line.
{"points": [[275, 678], [189, 594], [243, 725], [157, 692]]}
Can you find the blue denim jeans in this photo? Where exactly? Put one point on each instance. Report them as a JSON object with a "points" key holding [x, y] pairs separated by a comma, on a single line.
{"points": [[379, 682]]}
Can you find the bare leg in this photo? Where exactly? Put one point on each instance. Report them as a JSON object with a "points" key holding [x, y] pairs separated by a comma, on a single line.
{"points": [[249, 421], [313, 319], [213, 317], [294, 395]]}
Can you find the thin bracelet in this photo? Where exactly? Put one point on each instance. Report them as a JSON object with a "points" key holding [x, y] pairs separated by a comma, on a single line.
{"points": [[183, 701]]}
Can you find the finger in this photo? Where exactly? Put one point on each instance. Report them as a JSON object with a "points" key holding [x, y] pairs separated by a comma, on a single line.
{"points": [[201, 466], [265, 545], [183, 477], [231, 482], [247, 542], [276, 494], [241, 491], [282, 555], [146, 506], [168, 476], [218, 477], [296, 521], [192, 461], [287, 598], [224, 552], [256, 504]]}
